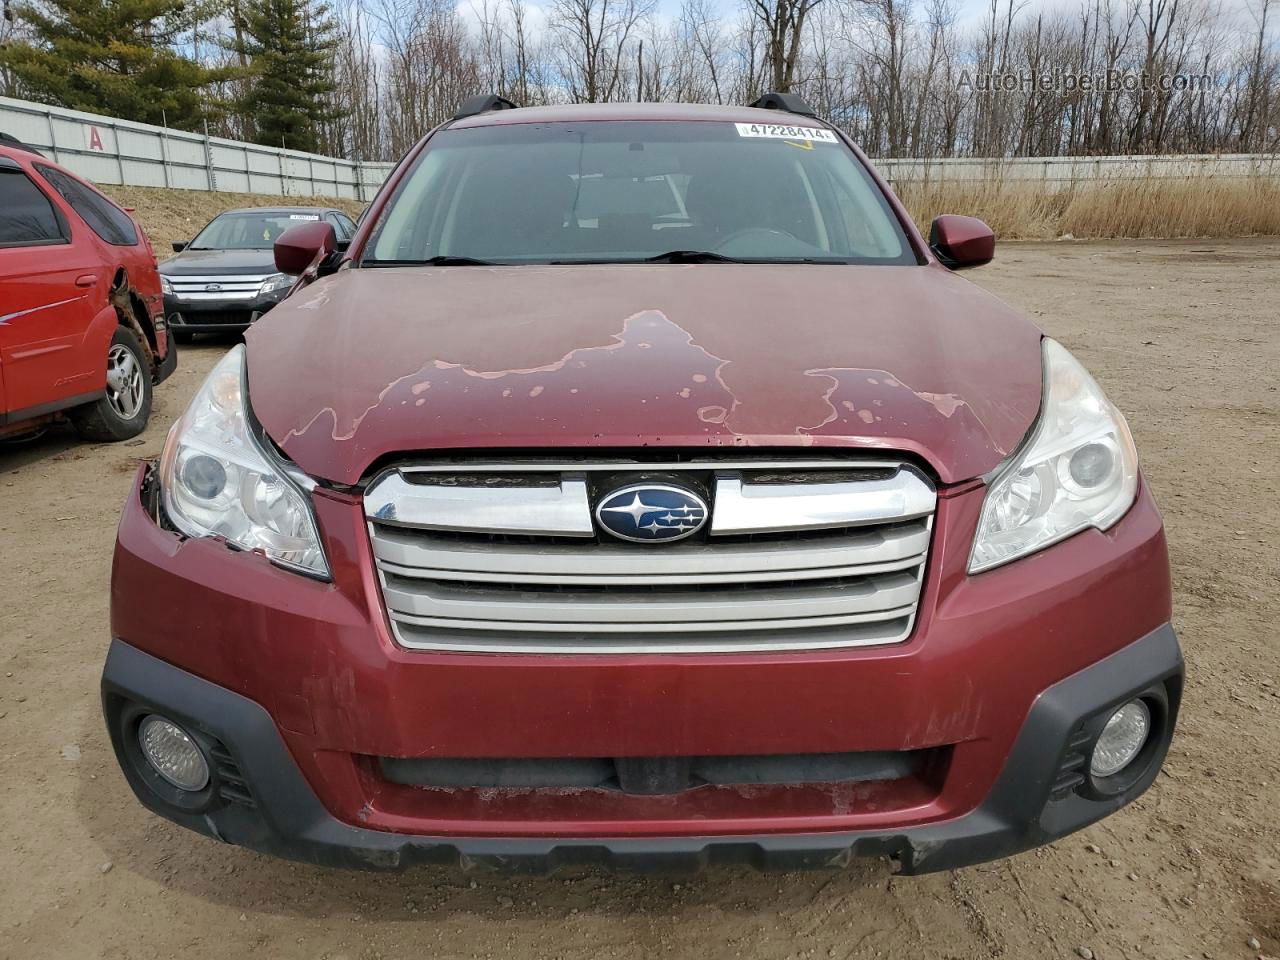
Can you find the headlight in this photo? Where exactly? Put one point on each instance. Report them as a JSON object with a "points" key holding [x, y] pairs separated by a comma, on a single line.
{"points": [[166, 286], [1079, 469], [274, 283], [217, 481]]}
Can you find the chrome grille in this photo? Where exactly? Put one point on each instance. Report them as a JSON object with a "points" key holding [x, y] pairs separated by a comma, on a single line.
{"points": [[505, 558], [239, 287]]}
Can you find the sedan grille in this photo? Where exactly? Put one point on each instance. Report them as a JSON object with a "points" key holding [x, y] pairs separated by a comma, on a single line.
{"points": [[506, 558], [207, 288]]}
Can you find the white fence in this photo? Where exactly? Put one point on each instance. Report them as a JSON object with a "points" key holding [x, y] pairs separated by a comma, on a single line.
{"points": [[112, 151], [106, 150], [1058, 172]]}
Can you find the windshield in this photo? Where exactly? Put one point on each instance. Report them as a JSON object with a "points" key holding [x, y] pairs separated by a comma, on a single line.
{"points": [[627, 191], [254, 230]]}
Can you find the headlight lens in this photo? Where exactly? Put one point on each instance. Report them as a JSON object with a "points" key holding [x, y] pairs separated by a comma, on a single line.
{"points": [[1080, 469], [217, 481], [166, 286], [275, 283]]}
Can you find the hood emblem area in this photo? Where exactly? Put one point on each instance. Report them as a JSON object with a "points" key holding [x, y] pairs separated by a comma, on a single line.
{"points": [[651, 513]]}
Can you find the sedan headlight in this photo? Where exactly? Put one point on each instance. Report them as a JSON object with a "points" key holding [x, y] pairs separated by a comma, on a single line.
{"points": [[166, 286], [275, 283], [218, 481], [1078, 469]]}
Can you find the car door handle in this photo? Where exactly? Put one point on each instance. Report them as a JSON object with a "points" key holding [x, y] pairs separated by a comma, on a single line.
{"points": [[86, 280]]}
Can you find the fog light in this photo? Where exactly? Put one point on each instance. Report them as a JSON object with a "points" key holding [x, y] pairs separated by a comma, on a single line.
{"points": [[1121, 739], [173, 754]]}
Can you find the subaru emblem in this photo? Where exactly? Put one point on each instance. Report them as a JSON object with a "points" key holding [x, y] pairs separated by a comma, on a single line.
{"points": [[651, 512]]}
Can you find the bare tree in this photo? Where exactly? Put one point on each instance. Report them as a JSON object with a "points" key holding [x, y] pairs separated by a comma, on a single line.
{"points": [[593, 37], [901, 76], [782, 25], [704, 37], [358, 133], [10, 31], [1260, 84], [431, 65]]}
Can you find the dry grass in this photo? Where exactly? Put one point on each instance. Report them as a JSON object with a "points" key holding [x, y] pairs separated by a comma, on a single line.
{"points": [[1158, 209], [169, 215], [1152, 208]]}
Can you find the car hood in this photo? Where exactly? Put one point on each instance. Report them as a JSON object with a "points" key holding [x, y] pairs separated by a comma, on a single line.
{"points": [[372, 362], [206, 263]]}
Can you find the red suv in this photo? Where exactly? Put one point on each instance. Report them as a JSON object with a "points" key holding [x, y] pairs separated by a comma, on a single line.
{"points": [[639, 487], [82, 330]]}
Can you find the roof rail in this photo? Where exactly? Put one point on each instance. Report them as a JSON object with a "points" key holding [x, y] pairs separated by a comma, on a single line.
{"points": [[785, 101], [8, 140], [483, 103]]}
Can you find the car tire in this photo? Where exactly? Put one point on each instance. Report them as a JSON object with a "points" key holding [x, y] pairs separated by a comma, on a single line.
{"points": [[181, 336], [123, 412]]}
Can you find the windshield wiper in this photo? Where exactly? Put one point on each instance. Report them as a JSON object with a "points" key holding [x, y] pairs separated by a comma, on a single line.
{"points": [[438, 261], [704, 256], [671, 256], [690, 256]]}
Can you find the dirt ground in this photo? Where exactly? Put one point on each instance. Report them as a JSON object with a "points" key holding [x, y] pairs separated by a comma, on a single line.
{"points": [[1184, 336]]}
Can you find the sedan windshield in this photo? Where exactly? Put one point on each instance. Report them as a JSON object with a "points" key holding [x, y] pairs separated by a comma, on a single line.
{"points": [[253, 230], [636, 191]]}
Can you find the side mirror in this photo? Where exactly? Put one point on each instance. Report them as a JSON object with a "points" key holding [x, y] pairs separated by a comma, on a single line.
{"points": [[179, 247], [301, 246], [960, 242]]}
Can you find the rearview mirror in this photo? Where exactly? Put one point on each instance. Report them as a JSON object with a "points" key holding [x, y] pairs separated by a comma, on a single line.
{"points": [[301, 246], [960, 242], [179, 247]]}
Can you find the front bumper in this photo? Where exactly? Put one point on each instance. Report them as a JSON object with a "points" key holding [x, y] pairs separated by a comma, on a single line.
{"points": [[1030, 804], [303, 685], [211, 316]]}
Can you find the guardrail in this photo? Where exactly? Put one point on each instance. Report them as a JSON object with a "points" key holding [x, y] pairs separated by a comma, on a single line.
{"points": [[111, 151]]}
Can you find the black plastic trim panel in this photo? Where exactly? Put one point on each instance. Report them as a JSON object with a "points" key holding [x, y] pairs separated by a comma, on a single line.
{"points": [[1026, 807]]}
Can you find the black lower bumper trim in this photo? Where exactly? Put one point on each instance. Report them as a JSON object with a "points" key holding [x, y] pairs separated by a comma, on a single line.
{"points": [[215, 316], [169, 364], [1024, 809]]}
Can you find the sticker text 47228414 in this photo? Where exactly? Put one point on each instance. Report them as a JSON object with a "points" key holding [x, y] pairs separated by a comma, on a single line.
{"points": [[782, 131]]}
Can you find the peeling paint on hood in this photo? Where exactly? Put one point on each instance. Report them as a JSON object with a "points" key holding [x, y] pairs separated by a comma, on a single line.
{"points": [[372, 362]]}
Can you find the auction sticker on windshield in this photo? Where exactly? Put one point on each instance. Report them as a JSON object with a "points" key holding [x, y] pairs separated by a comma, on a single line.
{"points": [[779, 131]]}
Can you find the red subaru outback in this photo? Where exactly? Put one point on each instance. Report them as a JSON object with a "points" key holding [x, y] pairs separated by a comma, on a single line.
{"points": [[82, 331], [640, 487]]}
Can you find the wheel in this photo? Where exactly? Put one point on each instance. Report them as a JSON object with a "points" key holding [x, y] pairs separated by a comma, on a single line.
{"points": [[181, 336], [123, 412]]}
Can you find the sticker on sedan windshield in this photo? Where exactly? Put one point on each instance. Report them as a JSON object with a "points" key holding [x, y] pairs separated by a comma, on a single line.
{"points": [[779, 131], [304, 216]]}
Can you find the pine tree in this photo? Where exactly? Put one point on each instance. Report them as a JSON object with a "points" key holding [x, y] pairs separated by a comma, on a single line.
{"points": [[289, 48], [115, 57]]}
